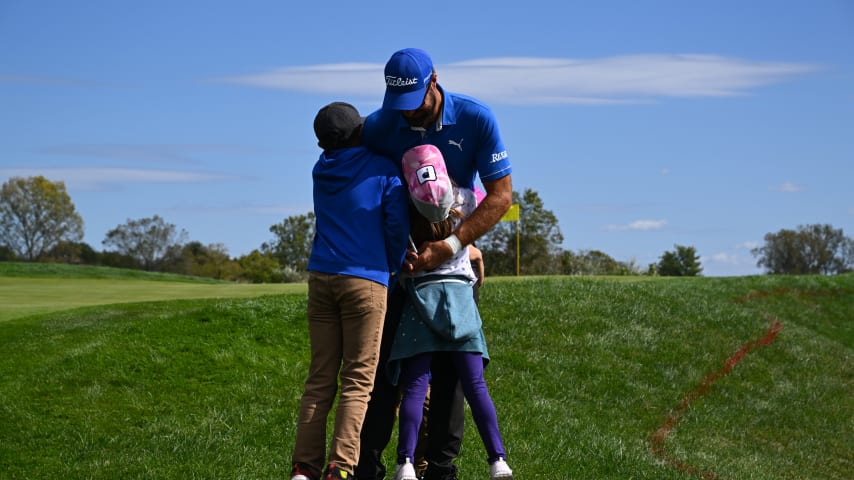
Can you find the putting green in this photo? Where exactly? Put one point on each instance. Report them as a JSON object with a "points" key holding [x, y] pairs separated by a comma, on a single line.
{"points": [[20, 297]]}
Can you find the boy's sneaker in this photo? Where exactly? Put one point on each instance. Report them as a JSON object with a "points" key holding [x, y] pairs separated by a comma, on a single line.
{"points": [[405, 471], [301, 471], [499, 470], [334, 472]]}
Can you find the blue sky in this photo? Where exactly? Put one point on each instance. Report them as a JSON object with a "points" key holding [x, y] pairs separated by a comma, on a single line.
{"points": [[641, 124]]}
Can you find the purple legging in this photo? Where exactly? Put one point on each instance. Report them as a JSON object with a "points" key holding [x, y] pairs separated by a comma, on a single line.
{"points": [[415, 378]]}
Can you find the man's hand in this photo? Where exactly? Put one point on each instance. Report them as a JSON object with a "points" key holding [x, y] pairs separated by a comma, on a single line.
{"points": [[430, 255]]}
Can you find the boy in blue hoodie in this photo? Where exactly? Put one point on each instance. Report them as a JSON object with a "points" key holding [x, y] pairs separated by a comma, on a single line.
{"points": [[362, 227]]}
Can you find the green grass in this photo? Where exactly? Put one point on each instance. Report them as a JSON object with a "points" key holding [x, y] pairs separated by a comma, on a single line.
{"points": [[36, 288], [584, 371], [61, 270]]}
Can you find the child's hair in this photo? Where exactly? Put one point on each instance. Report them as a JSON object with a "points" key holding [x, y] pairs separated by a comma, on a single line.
{"points": [[423, 230]]}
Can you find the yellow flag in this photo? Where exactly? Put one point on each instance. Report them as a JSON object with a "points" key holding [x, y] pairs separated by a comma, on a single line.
{"points": [[512, 214]]}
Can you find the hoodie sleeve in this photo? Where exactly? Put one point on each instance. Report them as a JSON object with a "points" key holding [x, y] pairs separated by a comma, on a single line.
{"points": [[396, 209]]}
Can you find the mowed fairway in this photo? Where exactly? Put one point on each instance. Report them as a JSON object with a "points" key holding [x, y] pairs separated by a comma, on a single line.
{"points": [[21, 297]]}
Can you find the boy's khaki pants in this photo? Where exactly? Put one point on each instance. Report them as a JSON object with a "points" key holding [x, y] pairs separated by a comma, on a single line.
{"points": [[345, 323]]}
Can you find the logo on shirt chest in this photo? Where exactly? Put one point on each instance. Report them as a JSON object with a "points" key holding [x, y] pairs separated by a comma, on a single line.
{"points": [[457, 144]]}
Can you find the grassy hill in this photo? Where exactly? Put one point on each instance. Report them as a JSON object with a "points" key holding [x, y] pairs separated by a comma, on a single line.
{"points": [[593, 378]]}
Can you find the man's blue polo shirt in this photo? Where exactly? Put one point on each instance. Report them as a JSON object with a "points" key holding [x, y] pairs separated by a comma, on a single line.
{"points": [[467, 136]]}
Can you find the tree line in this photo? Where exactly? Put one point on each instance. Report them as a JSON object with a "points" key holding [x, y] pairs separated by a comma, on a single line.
{"points": [[39, 222]]}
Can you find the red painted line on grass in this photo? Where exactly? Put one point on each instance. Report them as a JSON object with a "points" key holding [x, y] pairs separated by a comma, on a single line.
{"points": [[657, 439]]}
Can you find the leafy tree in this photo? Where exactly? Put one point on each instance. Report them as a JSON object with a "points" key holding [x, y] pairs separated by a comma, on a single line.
{"points": [[540, 240], [71, 253], [35, 215], [594, 262], [6, 254], [684, 262], [211, 261], [630, 267], [147, 240], [292, 245], [811, 249], [259, 267], [118, 260], [668, 265]]}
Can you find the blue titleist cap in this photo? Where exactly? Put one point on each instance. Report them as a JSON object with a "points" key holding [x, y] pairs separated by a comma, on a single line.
{"points": [[407, 75]]}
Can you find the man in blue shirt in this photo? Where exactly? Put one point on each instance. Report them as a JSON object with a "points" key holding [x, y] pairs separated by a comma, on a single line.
{"points": [[417, 110]]}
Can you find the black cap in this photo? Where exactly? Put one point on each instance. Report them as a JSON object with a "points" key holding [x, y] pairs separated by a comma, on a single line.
{"points": [[335, 124]]}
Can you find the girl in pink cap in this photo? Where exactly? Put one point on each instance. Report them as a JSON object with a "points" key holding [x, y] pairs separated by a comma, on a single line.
{"points": [[440, 316]]}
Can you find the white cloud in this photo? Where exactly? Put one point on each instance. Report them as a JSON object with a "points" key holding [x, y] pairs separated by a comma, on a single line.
{"points": [[638, 225], [101, 178], [730, 259], [531, 80], [664, 171], [350, 78], [787, 187], [748, 245], [722, 258]]}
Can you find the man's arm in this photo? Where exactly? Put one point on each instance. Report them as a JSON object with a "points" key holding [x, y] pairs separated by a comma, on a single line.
{"points": [[499, 197]]}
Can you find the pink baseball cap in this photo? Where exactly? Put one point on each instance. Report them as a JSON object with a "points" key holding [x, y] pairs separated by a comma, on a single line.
{"points": [[429, 184]]}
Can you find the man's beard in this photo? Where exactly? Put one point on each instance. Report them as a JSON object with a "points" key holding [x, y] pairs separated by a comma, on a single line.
{"points": [[419, 119]]}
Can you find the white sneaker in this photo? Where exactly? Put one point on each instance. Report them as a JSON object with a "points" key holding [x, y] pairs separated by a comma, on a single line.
{"points": [[500, 470], [300, 472], [405, 471]]}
